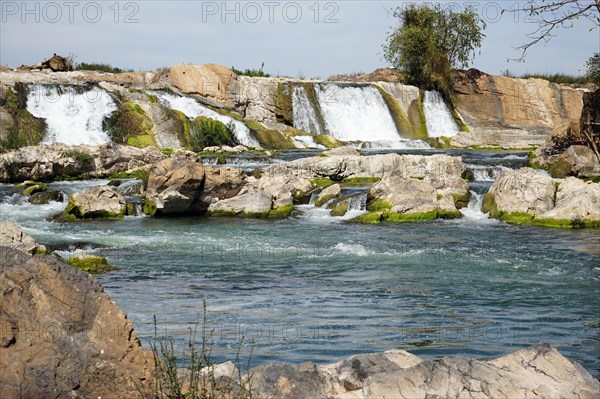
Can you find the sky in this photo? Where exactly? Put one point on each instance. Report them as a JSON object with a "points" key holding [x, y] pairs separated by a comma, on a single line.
{"points": [[308, 39]]}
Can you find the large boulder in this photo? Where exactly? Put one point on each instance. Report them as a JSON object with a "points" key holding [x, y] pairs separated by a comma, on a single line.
{"points": [[62, 336], [101, 202], [254, 204], [174, 187], [12, 236], [222, 183], [210, 81], [520, 195], [577, 204], [327, 194]]}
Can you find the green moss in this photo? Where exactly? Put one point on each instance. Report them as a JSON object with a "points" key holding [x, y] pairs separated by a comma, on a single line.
{"points": [[403, 125], [270, 139], [560, 169], [358, 181], [149, 207], [567, 224], [167, 151], [369, 218], [459, 121], [340, 210], [422, 129], [91, 264], [461, 201], [153, 99], [73, 213], [80, 156], [378, 205], [283, 103], [26, 129], [322, 199], [592, 178], [327, 140], [321, 183], [282, 212], [38, 188], [129, 120], [141, 141], [392, 217]]}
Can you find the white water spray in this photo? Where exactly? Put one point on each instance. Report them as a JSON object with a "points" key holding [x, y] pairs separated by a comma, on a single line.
{"points": [[305, 116], [438, 119], [193, 109], [72, 117]]}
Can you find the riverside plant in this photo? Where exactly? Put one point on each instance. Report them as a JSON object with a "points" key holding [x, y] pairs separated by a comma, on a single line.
{"points": [[197, 380]]}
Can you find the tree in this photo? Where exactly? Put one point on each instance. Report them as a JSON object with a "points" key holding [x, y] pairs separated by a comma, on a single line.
{"points": [[431, 41], [593, 68], [551, 16]]}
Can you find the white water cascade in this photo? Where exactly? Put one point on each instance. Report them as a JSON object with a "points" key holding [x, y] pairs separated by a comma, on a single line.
{"points": [[73, 117], [473, 210], [438, 119], [305, 117], [356, 113], [193, 109]]}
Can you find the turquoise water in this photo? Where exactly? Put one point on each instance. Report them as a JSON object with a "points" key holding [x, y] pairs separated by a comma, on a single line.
{"points": [[320, 289]]}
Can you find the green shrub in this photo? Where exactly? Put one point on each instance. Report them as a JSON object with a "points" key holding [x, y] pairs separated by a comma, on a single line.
{"points": [[84, 66], [79, 156], [206, 132], [251, 72]]}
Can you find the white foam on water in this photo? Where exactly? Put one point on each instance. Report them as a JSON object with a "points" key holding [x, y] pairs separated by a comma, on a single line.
{"points": [[400, 144], [438, 119], [305, 117], [473, 210], [308, 142], [72, 118], [193, 109]]}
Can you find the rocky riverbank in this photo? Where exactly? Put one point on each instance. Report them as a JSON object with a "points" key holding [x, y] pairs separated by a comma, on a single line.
{"points": [[54, 343]]}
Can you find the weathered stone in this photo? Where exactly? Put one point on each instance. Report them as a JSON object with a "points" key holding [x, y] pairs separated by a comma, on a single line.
{"points": [[523, 191], [45, 197], [175, 185], [66, 338], [209, 80], [12, 236], [221, 183], [280, 380], [576, 201], [102, 202], [328, 193], [254, 204]]}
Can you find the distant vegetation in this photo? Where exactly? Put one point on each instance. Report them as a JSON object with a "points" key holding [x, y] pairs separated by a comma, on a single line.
{"points": [[255, 73], [84, 66], [560, 78]]}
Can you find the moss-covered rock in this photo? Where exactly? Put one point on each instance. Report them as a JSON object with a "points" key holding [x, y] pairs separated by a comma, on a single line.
{"points": [[328, 193], [149, 207], [129, 124], [36, 188], [24, 129], [405, 128], [91, 264], [102, 202], [374, 217], [340, 209], [271, 139]]}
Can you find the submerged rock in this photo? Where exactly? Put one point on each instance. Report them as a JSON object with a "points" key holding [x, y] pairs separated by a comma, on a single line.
{"points": [[62, 336], [45, 197]]}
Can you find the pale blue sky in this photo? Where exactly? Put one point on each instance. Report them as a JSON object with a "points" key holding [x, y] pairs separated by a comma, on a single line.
{"points": [[307, 38]]}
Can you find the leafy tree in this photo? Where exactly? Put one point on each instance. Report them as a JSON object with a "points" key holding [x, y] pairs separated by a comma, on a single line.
{"points": [[431, 41], [593, 68], [551, 16]]}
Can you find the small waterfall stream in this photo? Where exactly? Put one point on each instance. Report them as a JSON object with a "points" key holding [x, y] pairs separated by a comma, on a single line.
{"points": [[438, 118], [73, 116], [305, 117]]}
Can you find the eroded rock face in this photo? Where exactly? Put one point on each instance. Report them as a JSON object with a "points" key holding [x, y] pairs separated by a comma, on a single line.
{"points": [[102, 202], [209, 80], [48, 162], [576, 200], [175, 185], [520, 191], [12, 236], [537, 372], [62, 336]]}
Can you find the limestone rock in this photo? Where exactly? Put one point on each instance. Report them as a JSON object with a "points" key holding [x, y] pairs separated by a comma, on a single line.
{"points": [[524, 191], [576, 200], [253, 204], [175, 185], [221, 183], [12, 236], [327, 194], [209, 80], [280, 380], [64, 337], [102, 202], [341, 151], [45, 197]]}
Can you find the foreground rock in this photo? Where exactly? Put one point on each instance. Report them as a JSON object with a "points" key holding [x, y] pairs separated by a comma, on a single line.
{"points": [[62, 336], [527, 196], [12, 236], [535, 372], [55, 161]]}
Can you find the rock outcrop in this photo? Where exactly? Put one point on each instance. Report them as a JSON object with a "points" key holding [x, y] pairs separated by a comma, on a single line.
{"points": [[210, 81], [11, 236], [512, 113], [54, 161], [101, 202], [527, 196], [62, 336], [327, 194], [174, 187], [535, 372]]}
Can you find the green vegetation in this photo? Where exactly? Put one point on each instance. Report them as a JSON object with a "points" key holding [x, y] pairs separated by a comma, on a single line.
{"points": [[592, 67], [129, 124], [84, 66], [358, 181], [379, 205], [270, 139], [275, 213], [36, 188], [140, 174], [167, 151], [149, 207], [374, 217], [322, 183], [401, 121], [73, 213], [255, 73], [91, 264], [80, 156], [431, 41], [196, 380], [559, 78], [206, 132], [23, 128], [340, 209]]}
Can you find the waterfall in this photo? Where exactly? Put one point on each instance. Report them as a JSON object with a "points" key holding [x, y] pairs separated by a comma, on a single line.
{"points": [[358, 202], [486, 172], [308, 142], [356, 113], [305, 116], [473, 209], [73, 117], [193, 109], [438, 119]]}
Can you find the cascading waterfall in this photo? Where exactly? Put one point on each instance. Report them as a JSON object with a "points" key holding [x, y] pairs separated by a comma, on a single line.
{"points": [[73, 117], [356, 113], [438, 118], [193, 109], [305, 117], [308, 142], [473, 209]]}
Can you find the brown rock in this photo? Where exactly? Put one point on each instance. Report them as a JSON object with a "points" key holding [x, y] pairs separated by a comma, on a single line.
{"points": [[57, 64], [12, 236], [209, 80], [97, 203], [64, 337]]}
